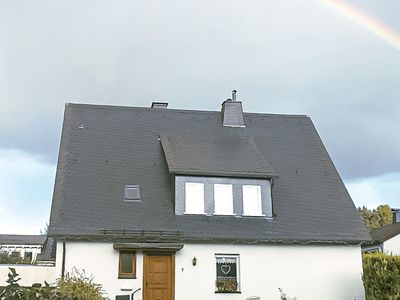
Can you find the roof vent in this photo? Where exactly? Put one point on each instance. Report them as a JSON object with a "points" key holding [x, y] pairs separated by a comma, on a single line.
{"points": [[232, 112], [159, 104]]}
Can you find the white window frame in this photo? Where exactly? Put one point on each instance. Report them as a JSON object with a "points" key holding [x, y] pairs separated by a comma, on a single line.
{"points": [[223, 199], [194, 198], [228, 256], [248, 201]]}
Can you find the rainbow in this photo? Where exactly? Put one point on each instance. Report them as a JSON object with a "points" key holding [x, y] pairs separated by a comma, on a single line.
{"points": [[370, 23]]}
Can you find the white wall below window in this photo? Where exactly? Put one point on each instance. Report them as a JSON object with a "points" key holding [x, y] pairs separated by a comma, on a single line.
{"points": [[392, 245], [307, 272]]}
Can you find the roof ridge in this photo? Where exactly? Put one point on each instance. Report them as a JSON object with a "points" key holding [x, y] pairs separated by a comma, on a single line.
{"points": [[181, 110]]}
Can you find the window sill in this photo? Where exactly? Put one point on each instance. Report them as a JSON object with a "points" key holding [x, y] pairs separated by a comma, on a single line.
{"points": [[237, 292], [223, 215], [262, 215], [194, 214], [127, 277]]}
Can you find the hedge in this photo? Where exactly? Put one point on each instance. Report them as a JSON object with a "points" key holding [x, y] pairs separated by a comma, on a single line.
{"points": [[381, 276]]}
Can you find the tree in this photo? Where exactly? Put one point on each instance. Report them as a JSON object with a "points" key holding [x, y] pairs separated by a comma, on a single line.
{"points": [[378, 217]]}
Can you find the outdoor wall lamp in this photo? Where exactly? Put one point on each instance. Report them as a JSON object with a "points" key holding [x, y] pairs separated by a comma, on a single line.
{"points": [[194, 261]]}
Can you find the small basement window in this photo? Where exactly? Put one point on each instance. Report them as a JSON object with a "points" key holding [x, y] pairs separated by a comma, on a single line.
{"points": [[132, 193], [223, 199], [194, 198], [127, 264], [227, 267], [252, 200]]}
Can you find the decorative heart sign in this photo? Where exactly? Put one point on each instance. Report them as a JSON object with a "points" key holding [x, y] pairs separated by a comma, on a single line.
{"points": [[225, 269]]}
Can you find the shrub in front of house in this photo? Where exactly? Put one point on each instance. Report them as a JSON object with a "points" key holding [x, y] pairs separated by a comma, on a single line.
{"points": [[75, 286], [80, 286], [381, 276]]}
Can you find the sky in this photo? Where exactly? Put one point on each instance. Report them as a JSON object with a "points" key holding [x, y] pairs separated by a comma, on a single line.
{"points": [[336, 61]]}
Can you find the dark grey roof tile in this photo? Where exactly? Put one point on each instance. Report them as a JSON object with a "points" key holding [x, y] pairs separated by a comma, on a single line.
{"points": [[104, 148]]}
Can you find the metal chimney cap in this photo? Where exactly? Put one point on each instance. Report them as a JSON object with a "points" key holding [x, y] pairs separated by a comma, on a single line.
{"points": [[234, 95]]}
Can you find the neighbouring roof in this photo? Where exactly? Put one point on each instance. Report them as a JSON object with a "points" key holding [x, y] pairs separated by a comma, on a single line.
{"points": [[104, 148], [17, 239], [385, 233]]}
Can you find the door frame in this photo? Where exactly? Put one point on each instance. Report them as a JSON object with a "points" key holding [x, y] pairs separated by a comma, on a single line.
{"points": [[146, 254]]}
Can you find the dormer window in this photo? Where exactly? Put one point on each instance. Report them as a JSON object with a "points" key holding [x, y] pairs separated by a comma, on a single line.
{"points": [[252, 205], [194, 198], [223, 199], [223, 196]]}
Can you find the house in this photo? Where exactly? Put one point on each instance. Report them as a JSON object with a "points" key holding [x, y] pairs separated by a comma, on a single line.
{"points": [[387, 238], [186, 204], [37, 258], [28, 247]]}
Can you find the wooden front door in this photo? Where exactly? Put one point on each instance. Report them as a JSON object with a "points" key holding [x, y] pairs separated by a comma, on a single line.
{"points": [[158, 277]]}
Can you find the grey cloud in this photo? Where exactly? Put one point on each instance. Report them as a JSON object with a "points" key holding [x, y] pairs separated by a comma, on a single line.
{"points": [[282, 56]]}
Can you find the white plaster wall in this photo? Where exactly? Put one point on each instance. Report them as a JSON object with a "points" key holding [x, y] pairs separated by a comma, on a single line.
{"points": [[307, 272], [101, 261], [392, 245], [29, 274]]}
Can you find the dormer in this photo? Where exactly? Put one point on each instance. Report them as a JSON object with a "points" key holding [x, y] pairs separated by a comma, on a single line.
{"points": [[224, 175]]}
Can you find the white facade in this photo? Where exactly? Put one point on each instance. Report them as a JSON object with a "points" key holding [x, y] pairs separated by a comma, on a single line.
{"points": [[392, 245], [308, 272]]}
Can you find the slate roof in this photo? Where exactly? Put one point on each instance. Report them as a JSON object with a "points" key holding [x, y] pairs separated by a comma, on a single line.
{"points": [[227, 156], [104, 148], [16, 239], [382, 234]]}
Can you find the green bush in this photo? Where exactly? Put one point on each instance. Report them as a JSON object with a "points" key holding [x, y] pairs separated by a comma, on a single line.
{"points": [[381, 276], [78, 285], [11, 259], [75, 286]]}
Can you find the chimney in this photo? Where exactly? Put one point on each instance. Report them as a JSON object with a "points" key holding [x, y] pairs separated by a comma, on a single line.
{"points": [[159, 104], [232, 112]]}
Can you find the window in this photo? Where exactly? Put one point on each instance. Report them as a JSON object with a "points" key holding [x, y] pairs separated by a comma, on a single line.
{"points": [[28, 257], [223, 196], [223, 199], [127, 264], [194, 198], [132, 193], [252, 200], [227, 267]]}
